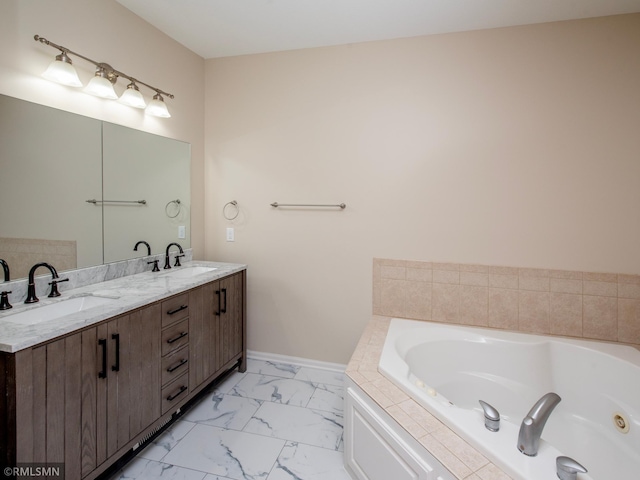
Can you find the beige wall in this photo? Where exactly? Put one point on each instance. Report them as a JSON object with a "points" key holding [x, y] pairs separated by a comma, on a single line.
{"points": [[514, 147], [106, 31]]}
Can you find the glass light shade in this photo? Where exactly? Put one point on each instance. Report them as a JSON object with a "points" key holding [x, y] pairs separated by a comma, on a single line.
{"points": [[101, 87], [61, 71], [157, 107], [132, 97]]}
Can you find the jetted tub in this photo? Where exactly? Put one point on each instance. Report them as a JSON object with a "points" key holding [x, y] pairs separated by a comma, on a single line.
{"points": [[447, 369]]}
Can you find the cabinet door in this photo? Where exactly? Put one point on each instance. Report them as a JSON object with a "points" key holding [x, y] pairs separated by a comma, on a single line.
{"points": [[60, 413], [203, 315], [230, 331], [129, 384]]}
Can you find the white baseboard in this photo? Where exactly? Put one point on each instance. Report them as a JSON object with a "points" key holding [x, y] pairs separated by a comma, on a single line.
{"points": [[302, 362]]}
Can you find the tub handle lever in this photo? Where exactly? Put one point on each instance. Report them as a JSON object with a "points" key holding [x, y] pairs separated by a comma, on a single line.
{"points": [[491, 417], [568, 469]]}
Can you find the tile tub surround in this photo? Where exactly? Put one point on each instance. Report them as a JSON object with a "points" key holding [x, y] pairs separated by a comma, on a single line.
{"points": [[130, 292], [599, 306], [254, 426], [455, 454]]}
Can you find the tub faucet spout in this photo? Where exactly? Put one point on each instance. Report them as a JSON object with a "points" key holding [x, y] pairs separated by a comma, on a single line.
{"points": [[533, 424]]}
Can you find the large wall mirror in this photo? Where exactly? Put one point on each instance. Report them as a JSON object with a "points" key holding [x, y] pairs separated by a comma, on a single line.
{"points": [[52, 162]]}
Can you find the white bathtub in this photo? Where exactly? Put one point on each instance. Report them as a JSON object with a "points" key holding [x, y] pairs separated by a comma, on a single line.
{"points": [[448, 369]]}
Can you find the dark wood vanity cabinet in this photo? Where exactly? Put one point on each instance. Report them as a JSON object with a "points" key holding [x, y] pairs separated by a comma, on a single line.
{"points": [[87, 398], [217, 329]]}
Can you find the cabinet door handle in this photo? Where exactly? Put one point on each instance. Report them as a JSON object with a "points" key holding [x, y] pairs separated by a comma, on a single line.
{"points": [[171, 398], [103, 343], [217, 314], [116, 337], [177, 366], [224, 293], [175, 339], [179, 309]]}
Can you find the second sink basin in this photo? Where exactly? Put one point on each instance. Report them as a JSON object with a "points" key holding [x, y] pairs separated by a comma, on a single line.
{"points": [[56, 310], [188, 272]]}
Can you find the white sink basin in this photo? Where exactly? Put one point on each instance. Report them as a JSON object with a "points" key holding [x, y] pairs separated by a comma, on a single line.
{"points": [[56, 310], [188, 272]]}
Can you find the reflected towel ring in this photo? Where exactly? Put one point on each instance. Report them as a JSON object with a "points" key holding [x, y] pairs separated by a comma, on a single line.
{"points": [[224, 210], [177, 203]]}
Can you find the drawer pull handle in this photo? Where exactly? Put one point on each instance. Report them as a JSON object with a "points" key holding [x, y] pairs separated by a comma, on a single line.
{"points": [[175, 367], [217, 314], [175, 339], [116, 337], [171, 398], [224, 293], [179, 309]]}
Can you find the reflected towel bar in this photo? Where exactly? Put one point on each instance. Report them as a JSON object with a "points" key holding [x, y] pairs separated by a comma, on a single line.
{"points": [[276, 204], [95, 202]]}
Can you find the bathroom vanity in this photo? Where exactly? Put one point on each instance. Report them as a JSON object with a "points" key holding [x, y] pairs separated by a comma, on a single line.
{"points": [[115, 374]]}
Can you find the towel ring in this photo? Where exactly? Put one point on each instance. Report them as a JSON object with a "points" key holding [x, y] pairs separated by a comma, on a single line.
{"points": [[177, 204], [234, 204]]}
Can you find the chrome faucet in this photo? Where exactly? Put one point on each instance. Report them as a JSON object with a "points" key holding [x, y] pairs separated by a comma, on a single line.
{"points": [[167, 265], [533, 424], [55, 279]]}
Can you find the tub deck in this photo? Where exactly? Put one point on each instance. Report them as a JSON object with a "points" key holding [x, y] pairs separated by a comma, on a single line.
{"points": [[460, 458]]}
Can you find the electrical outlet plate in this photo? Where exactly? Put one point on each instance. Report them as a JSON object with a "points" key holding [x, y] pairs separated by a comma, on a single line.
{"points": [[230, 234], [182, 232]]}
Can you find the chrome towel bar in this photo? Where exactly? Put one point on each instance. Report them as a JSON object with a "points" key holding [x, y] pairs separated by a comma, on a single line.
{"points": [[95, 202], [276, 204]]}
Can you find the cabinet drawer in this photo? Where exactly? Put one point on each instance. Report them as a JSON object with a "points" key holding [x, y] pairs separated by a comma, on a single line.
{"points": [[175, 364], [175, 309], [175, 337], [175, 392]]}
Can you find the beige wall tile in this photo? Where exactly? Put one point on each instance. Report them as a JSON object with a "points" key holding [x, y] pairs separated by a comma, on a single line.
{"points": [[566, 314], [419, 300], [445, 302], [629, 320], [491, 472], [628, 290], [393, 263], [565, 285], [565, 274], [600, 317], [396, 273], [503, 308], [474, 268], [445, 456], [474, 305], [394, 296], [605, 289], [469, 455], [533, 272], [599, 277], [474, 278], [503, 281], [414, 264], [533, 312], [446, 276], [503, 270], [445, 266], [419, 274], [534, 283]]}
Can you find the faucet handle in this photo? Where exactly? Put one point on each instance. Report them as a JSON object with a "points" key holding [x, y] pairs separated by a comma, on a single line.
{"points": [[155, 265], [491, 417], [54, 287], [177, 263], [4, 301], [568, 469]]}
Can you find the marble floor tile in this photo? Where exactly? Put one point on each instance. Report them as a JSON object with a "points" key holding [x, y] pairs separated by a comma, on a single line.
{"points": [[298, 424], [272, 368], [274, 389], [316, 375], [226, 453], [329, 398], [225, 411], [228, 383], [162, 445], [143, 469], [305, 462]]}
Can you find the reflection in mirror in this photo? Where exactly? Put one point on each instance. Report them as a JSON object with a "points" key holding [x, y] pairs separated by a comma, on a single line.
{"points": [[51, 163]]}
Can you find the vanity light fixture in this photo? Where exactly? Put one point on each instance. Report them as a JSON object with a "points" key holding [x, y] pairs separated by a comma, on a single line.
{"points": [[62, 71]]}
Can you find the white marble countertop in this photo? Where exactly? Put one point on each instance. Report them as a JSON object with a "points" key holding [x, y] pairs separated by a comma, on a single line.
{"points": [[128, 292]]}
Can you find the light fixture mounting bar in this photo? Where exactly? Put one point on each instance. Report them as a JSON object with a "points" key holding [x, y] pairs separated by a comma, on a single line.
{"points": [[112, 72]]}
